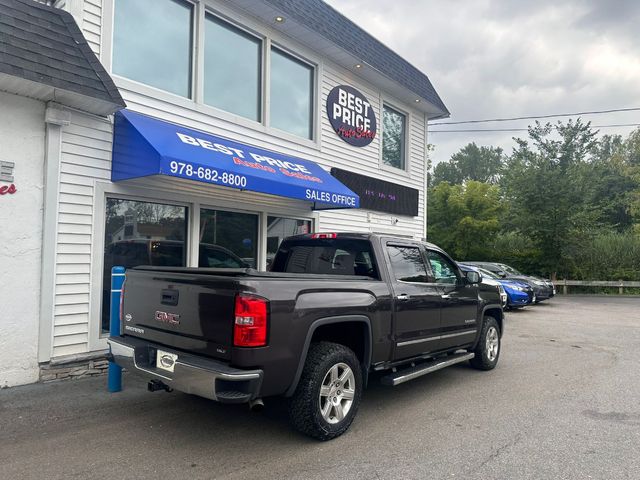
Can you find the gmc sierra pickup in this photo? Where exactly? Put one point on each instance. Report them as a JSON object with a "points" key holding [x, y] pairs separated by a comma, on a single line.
{"points": [[333, 309]]}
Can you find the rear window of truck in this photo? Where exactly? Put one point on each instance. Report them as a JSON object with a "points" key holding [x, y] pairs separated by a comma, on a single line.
{"points": [[326, 256]]}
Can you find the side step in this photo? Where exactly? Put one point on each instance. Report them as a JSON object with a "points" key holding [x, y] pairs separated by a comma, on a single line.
{"points": [[396, 378]]}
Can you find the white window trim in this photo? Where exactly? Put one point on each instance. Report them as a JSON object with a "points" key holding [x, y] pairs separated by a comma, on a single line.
{"points": [[391, 103], [102, 191], [195, 103], [263, 59], [315, 88]]}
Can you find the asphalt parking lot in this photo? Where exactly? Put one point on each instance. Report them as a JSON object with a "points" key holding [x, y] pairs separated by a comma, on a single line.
{"points": [[563, 403]]}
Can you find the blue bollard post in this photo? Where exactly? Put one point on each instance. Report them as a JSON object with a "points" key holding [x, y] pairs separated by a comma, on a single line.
{"points": [[114, 376]]}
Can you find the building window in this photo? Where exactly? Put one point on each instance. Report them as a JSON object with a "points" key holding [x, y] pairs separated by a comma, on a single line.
{"points": [[279, 228], [141, 233], [291, 94], [393, 138], [152, 43], [228, 239], [232, 69]]}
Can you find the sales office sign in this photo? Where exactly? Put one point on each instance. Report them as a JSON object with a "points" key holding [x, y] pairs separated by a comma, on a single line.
{"points": [[351, 116]]}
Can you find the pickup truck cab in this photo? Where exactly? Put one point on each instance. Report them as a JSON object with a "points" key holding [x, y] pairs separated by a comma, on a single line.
{"points": [[333, 309]]}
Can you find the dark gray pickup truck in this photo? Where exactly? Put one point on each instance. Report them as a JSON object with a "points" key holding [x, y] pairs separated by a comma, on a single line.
{"points": [[333, 309]]}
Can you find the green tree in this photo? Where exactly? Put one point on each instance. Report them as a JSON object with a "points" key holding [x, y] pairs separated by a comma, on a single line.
{"points": [[549, 190], [482, 164], [463, 219]]}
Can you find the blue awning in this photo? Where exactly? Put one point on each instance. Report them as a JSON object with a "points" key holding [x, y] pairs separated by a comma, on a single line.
{"points": [[144, 146]]}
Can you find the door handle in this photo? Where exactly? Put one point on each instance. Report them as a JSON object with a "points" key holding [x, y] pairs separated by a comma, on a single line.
{"points": [[402, 297], [444, 296]]}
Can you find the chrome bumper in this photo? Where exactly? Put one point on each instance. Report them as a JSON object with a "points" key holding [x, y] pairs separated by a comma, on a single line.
{"points": [[192, 374]]}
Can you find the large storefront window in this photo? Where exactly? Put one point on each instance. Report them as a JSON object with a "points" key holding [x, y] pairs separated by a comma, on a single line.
{"points": [[141, 233], [393, 137], [228, 239], [278, 228], [291, 94], [232, 69], [152, 43]]}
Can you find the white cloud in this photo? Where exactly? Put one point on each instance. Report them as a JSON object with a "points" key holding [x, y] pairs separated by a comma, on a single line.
{"points": [[505, 58]]}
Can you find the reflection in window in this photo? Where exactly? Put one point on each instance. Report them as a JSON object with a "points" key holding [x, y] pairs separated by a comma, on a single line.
{"points": [[152, 43], [335, 257], [407, 264], [393, 137], [443, 270], [228, 239], [291, 94], [232, 69], [278, 228], [141, 233]]}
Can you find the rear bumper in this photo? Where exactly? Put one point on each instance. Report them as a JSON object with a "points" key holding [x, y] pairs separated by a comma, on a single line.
{"points": [[543, 293], [192, 373]]}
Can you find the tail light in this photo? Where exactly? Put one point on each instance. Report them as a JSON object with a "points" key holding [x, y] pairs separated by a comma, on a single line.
{"points": [[316, 236], [250, 326]]}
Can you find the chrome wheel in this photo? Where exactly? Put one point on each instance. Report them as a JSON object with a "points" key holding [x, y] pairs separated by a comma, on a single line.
{"points": [[493, 343], [337, 393]]}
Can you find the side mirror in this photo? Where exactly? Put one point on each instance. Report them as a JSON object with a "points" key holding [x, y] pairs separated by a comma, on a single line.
{"points": [[473, 277]]}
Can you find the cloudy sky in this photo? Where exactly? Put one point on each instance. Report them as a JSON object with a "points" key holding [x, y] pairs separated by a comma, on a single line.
{"points": [[508, 58]]}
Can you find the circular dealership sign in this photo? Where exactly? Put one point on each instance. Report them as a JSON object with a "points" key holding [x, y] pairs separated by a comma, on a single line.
{"points": [[351, 115]]}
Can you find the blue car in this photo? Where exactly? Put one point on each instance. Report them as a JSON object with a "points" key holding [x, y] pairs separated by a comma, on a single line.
{"points": [[519, 294]]}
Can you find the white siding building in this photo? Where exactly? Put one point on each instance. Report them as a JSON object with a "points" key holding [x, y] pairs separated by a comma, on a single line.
{"points": [[258, 73]]}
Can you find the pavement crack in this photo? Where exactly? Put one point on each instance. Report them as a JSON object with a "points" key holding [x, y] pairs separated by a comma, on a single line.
{"points": [[498, 451]]}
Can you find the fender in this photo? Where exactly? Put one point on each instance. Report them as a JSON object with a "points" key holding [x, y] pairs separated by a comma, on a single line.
{"points": [[491, 306], [328, 321]]}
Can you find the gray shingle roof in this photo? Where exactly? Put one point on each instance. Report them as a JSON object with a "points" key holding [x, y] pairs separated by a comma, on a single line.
{"points": [[335, 27], [44, 44]]}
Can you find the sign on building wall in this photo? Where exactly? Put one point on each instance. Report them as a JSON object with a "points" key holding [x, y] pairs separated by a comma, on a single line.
{"points": [[351, 116], [6, 176], [379, 195]]}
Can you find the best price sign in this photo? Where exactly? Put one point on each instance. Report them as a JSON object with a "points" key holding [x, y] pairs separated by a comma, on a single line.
{"points": [[351, 116]]}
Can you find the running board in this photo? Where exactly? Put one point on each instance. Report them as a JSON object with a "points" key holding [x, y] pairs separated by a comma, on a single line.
{"points": [[396, 378]]}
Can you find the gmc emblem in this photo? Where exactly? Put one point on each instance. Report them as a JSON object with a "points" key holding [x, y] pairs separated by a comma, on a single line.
{"points": [[166, 317]]}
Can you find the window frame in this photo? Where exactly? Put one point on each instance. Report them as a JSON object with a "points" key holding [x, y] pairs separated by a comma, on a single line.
{"points": [[314, 90], [386, 101], [431, 273], [258, 214], [193, 202], [196, 103], [98, 262], [392, 273], [106, 52], [200, 47]]}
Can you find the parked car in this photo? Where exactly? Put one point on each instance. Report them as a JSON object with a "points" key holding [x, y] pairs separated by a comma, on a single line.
{"points": [[543, 289], [333, 308], [519, 294], [488, 282]]}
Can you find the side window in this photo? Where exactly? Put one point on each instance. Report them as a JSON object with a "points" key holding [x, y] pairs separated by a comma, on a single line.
{"points": [[442, 268], [407, 264]]}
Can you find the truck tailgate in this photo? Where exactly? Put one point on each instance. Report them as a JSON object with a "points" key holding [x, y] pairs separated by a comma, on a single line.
{"points": [[181, 311]]}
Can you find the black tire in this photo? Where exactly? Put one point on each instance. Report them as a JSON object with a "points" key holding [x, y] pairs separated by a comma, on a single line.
{"points": [[487, 358], [305, 409]]}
